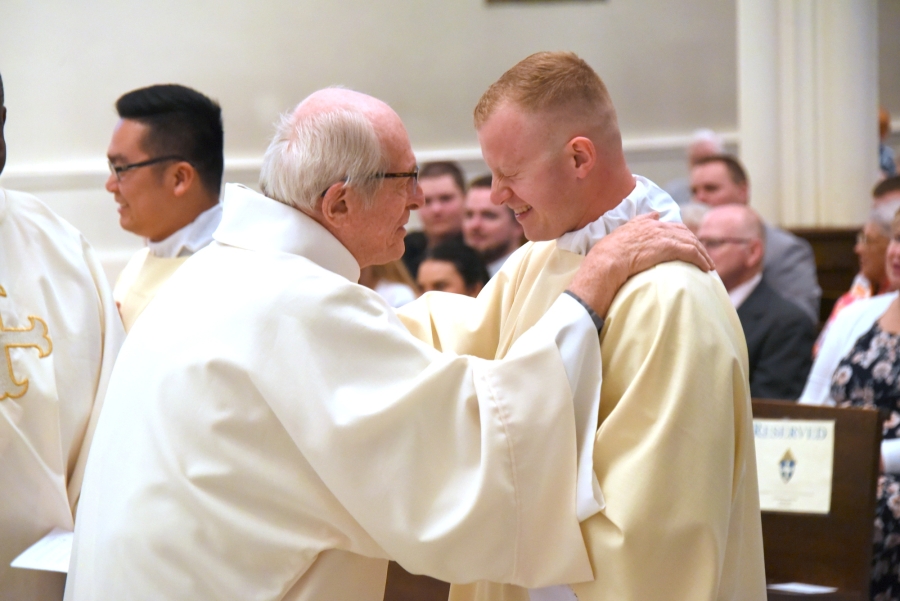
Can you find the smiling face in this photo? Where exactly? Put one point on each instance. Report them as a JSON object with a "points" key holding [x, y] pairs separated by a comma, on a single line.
{"points": [[892, 260], [530, 172], [147, 206], [490, 229]]}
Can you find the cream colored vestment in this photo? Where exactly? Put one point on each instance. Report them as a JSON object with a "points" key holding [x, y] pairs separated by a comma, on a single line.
{"points": [[673, 454], [272, 432], [151, 267], [139, 282], [59, 333]]}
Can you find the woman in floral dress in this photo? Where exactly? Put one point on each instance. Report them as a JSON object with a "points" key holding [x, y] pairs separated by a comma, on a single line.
{"points": [[859, 366]]}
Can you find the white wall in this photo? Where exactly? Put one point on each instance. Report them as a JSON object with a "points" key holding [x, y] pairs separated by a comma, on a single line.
{"points": [[670, 67]]}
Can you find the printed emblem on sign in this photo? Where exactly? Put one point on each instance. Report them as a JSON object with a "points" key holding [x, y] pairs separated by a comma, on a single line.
{"points": [[787, 465], [35, 336]]}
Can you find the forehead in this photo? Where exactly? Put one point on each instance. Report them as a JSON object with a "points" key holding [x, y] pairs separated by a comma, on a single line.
{"points": [[127, 138], [395, 141], [480, 199], [438, 184], [716, 172], [513, 134], [721, 222]]}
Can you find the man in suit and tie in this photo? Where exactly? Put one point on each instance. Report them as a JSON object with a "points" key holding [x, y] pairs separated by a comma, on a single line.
{"points": [[779, 335], [790, 265]]}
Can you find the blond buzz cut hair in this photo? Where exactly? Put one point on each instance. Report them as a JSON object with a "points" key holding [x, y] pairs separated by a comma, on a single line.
{"points": [[550, 81]]}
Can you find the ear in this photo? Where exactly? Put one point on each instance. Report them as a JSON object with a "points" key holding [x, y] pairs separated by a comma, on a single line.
{"points": [[755, 252], [183, 177], [334, 207], [582, 155]]}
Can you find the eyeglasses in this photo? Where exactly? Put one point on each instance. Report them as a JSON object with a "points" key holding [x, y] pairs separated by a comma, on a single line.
{"points": [[711, 243], [118, 170], [395, 175], [866, 239]]}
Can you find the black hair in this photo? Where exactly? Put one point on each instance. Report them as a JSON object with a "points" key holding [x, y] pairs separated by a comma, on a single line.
{"points": [[181, 122], [464, 258]]}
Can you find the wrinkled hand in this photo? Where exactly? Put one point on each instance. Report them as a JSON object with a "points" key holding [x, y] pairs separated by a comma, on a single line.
{"points": [[640, 244]]}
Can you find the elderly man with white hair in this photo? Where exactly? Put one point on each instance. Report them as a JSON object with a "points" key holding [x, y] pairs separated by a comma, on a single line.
{"points": [[272, 431]]}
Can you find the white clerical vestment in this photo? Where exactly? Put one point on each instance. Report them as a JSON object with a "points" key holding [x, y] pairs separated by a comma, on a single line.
{"points": [[151, 267], [60, 334], [673, 454], [272, 431]]}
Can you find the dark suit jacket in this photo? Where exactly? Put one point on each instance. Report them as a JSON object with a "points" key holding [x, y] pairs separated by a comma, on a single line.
{"points": [[779, 337]]}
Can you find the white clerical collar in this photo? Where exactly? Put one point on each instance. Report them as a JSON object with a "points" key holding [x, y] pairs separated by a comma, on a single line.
{"points": [[645, 197], [255, 222], [191, 237], [739, 293]]}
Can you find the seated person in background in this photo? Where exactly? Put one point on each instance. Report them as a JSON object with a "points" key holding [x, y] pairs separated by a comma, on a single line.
{"points": [[779, 335], [165, 162], [60, 334], [886, 190], [452, 267], [442, 212], [491, 229], [704, 143], [790, 267], [871, 245], [858, 366], [391, 281]]}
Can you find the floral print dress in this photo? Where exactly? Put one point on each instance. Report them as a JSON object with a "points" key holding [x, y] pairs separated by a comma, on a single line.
{"points": [[869, 376]]}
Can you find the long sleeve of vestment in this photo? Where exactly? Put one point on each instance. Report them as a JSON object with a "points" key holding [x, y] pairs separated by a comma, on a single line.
{"points": [[436, 458], [674, 451], [675, 431], [296, 430]]}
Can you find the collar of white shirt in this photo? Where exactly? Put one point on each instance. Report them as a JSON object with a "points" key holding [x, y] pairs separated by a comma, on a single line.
{"points": [[191, 237], [254, 222], [739, 293], [645, 197]]}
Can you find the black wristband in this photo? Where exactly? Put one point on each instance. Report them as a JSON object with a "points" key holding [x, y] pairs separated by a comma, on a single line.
{"points": [[598, 321]]}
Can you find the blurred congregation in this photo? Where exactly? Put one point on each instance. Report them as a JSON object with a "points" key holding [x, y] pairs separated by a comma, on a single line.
{"points": [[426, 285]]}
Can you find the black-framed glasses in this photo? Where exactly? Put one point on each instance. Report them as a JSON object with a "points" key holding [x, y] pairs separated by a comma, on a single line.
{"points": [[414, 174], [118, 170], [711, 243]]}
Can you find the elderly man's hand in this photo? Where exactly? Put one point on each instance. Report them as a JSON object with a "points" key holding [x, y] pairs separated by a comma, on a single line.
{"points": [[632, 248]]}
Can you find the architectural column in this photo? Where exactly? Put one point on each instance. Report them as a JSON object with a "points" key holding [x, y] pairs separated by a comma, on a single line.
{"points": [[808, 107]]}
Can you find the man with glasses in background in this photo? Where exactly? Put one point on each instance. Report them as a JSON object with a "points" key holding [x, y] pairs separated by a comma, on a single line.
{"points": [[779, 335], [165, 162]]}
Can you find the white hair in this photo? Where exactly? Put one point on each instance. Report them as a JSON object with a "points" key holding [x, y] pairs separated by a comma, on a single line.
{"points": [[708, 136], [310, 153]]}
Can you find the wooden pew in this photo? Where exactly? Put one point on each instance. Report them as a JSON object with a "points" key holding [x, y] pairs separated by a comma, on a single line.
{"points": [[403, 586], [836, 263], [834, 549]]}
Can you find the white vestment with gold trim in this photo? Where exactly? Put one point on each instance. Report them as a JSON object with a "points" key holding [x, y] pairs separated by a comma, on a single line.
{"points": [[59, 333]]}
